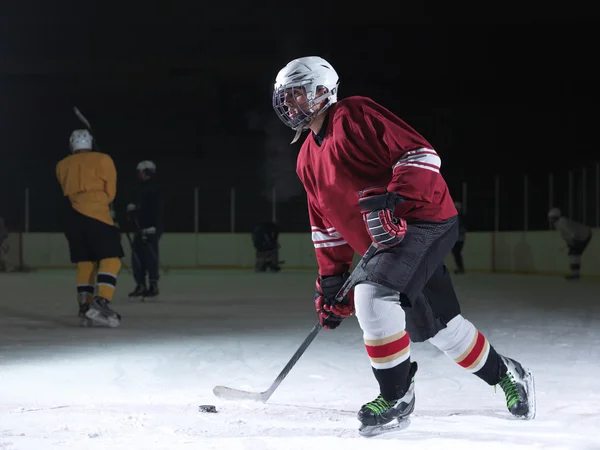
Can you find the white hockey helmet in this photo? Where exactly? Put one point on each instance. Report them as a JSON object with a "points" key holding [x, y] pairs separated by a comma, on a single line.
{"points": [[310, 73], [146, 165], [80, 140], [554, 213]]}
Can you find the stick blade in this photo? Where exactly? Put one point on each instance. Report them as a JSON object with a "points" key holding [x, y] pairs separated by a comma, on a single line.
{"points": [[82, 118], [236, 394]]}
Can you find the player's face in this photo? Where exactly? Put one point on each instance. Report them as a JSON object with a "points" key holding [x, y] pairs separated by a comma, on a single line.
{"points": [[296, 102]]}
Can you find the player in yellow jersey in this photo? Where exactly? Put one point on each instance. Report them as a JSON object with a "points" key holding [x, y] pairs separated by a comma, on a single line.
{"points": [[89, 180]]}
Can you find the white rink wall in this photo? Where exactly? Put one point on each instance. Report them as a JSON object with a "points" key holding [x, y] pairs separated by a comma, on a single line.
{"points": [[540, 252]]}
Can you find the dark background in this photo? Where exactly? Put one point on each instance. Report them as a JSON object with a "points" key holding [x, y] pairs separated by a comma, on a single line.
{"points": [[498, 92]]}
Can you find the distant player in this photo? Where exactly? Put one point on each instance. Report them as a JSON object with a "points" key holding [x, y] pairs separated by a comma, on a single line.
{"points": [[3, 231], [460, 240], [576, 235], [3, 247], [370, 177], [265, 238], [145, 213], [89, 180]]}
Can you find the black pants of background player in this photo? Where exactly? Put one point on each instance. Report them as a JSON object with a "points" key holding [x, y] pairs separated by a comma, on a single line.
{"points": [[90, 239], [576, 249], [267, 260], [145, 259], [458, 259]]}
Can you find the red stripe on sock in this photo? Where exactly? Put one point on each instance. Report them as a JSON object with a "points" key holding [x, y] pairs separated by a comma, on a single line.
{"points": [[389, 349], [475, 352]]}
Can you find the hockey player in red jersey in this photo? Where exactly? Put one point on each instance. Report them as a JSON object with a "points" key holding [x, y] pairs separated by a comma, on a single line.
{"points": [[370, 177]]}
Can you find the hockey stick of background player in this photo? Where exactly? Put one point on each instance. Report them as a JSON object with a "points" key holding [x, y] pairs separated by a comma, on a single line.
{"points": [[133, 252], [82, 118], [130, 244], [154, 255], [87, 124], [358, 274]]}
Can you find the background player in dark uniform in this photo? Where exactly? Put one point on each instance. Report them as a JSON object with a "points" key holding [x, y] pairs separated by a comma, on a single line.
{"points": [[3, 248], [576, 235], [371, 178], [265, 238], [89, 180], [145, 213]]}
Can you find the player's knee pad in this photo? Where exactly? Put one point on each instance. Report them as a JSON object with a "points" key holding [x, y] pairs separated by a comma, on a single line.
{"points": [[378, 311]]}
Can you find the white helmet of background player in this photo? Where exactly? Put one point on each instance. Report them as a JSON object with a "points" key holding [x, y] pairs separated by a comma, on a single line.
{"points": [[305, 77], [553, 215], [146, 165], [80, 140], [146, 169]]}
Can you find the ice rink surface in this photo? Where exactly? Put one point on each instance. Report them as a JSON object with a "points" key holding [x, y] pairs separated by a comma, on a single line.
{"points": [[139, 386]]}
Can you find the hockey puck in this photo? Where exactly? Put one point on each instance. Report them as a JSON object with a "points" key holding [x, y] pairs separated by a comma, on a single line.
{"points": [[208, 408]]}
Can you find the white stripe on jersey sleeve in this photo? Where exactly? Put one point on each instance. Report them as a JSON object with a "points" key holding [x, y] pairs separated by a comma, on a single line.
{"points": [[423, 158], [326, 237]]}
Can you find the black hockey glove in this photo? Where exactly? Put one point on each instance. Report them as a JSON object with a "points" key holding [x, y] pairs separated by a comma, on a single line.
{"points": [[147, 234], [330, 311], [377, 208]]}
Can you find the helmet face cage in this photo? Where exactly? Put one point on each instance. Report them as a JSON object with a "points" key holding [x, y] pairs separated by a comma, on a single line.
{"points": [[305, 112]]}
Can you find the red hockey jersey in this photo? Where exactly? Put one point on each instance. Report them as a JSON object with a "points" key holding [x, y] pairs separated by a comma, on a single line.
{"points": [[366, 145]]}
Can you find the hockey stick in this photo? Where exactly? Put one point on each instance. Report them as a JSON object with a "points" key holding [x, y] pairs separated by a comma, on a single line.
{"points": [[133, 252], [87, 124], [358, 274], [154, 255], [82, 118]]}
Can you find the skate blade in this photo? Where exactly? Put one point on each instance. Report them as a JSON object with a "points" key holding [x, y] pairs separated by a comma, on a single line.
{"points": [[376, 430], [530, 388], [99, 318], [85, 322]]}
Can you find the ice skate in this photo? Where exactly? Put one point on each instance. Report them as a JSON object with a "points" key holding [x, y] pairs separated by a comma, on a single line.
{"points": [[573, 276], [519, 389], [84, 306], [377, 415], [100, 312], [138, 292], [152, 291]]}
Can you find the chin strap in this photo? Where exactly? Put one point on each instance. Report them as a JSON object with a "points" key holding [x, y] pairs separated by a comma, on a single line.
{"points": [[297, 135]]}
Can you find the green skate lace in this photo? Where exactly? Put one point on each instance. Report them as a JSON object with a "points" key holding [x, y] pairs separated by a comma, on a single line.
{"points": [[509, 387], [379, 405]]}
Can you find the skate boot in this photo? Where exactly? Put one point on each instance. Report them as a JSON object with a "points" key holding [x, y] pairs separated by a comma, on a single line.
{"points": [[375, 416], [152, 291], [519, 389], [139, 291], [573, 276], [101, 313], [83, 309]]}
